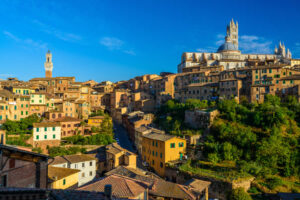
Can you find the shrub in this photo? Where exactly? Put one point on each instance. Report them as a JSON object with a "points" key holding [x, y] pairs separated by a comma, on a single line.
{"points": [[239, 194], [273, 182]]}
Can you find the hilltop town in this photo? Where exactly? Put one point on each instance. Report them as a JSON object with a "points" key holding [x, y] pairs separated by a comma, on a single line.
{"points": [[226, 124]]}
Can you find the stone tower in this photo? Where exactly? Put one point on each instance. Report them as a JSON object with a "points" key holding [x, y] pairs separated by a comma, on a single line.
{"points": [[48, 65], [233, 32]]}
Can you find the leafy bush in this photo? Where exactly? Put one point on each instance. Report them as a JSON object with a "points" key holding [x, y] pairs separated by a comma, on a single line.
{"points": [[60, 151], [239, 194], [273, 182]]}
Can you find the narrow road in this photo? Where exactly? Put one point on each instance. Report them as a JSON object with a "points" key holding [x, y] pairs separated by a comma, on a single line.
{"points": [[122, 138]]}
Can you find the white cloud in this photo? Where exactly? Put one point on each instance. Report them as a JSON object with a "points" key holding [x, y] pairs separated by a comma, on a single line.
{"points": [[6, 75], [111, 43], [247, 44], [255, 44], [220, 36], [27, 41], [130, 52], [70, 37], [208, 49]]}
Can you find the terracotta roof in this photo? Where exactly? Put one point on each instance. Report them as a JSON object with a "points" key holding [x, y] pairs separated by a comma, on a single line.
{"points": [[122, 187], [168, 189], [78, 158], [53, 194], [197, 184], [67, 119], [46, 124], [159, 136], [58, 160], [57, 173]]}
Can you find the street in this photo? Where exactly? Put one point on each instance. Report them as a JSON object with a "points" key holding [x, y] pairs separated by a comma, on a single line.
{"points": [[122, 138]]}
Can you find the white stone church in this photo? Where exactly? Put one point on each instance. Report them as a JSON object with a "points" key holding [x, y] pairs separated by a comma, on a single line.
{"points": [[229, 55]]}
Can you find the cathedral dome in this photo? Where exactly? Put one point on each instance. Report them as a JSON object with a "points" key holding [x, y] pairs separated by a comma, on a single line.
{"points": [[227, 46]]}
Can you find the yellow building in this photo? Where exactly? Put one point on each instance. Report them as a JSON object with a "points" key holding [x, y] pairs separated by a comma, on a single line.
{"points": [[158, 149], [95, 121], [22, 90], [62, 178], [37, 99]]}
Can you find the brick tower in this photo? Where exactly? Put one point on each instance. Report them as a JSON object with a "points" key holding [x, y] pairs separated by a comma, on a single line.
{"points": [[48, 65]]}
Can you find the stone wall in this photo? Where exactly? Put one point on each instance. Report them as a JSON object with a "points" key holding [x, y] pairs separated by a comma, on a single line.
{"points": [[218, 189], [199, 118]]}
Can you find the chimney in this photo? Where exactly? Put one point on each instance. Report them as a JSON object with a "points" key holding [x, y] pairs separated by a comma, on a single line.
{"points": [[108, 191]]}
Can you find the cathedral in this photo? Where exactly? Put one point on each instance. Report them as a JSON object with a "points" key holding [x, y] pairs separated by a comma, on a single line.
{"points": [[229, 56]]}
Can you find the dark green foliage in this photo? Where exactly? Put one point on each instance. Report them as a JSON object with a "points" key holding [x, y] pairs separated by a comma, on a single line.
{"points": [[98, 139], [252, 136], [22, 126], [170, 116], [18, 141], [37, 150], [60, 151], [97, 113], [273, 182], [239, 194]]}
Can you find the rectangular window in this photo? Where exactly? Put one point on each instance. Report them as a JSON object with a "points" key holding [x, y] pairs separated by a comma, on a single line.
{"points": [[21, 112], [45, 136], [277, 81], [64, 181], [37, 137], [37, 129], [283, 81], [15, 117], [15, 107], [83, 175], [6, 107], [152, 143], [270, 70], [291, 81], [172, 145], [181, 144], [54, 136], [40, 101], [161, 165], [256, 77], [91, 163], [53, 128], [26, 112], [290, 73], [26, 105], [156, 144], [45, 128], [160, 155], [82, 164], [32, 101], [0, 117], [256, 71], [21, 105], [91, 173]]}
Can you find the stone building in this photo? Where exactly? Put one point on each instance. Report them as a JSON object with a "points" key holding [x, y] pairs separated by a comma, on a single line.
{"points": [[84, 163], [229, 55], [22, 169]]}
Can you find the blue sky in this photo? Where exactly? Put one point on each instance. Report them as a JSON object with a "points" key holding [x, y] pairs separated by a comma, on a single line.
{"points": [[119, 39]]}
